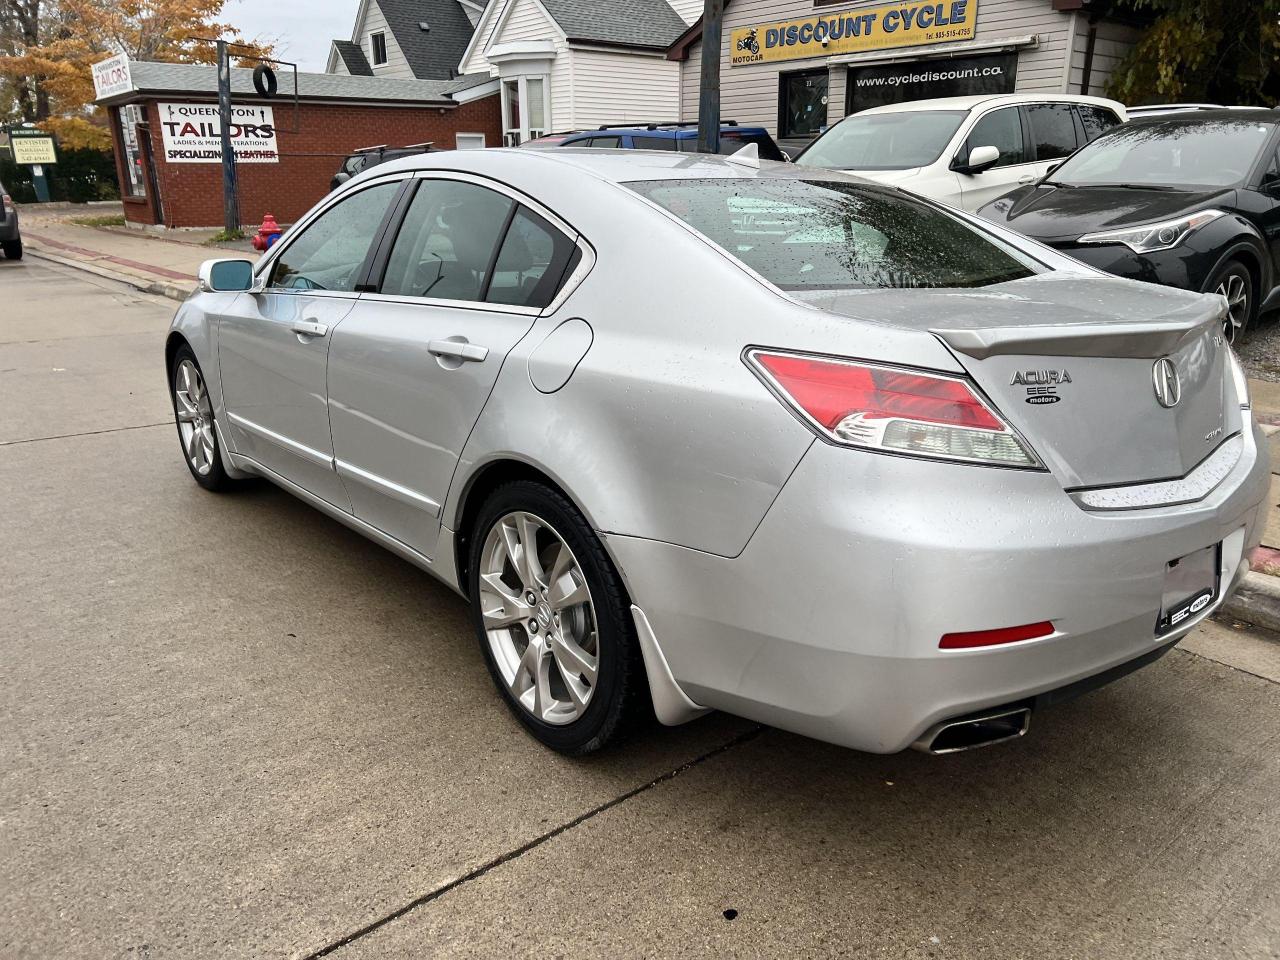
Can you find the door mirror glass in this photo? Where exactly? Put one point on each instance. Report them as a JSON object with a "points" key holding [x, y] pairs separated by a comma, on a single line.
{"points": [[982, 158], [226, 276]]}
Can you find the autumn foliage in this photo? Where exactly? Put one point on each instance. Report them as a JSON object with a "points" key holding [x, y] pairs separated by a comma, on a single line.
{"points": [[46, 49]]}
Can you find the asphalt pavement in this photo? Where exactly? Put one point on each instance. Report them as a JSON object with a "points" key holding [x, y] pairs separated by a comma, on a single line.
{"points": [[231, 728]]}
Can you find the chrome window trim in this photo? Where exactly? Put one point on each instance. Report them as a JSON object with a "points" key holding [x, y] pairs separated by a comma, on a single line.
{"points": [[1206, 477], [585, 262]]}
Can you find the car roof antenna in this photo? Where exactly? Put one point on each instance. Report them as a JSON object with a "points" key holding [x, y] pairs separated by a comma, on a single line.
{"points": [[748, 156]]}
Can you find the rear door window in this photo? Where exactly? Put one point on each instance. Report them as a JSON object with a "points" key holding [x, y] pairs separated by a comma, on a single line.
{"points": [[1001, 129], [531, 262], [1053, 130], [446, 246], [1096, 120], [606, 142]]}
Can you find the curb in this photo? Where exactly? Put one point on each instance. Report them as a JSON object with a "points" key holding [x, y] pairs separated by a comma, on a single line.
{"points": [[156, 287], [1256, 601]]}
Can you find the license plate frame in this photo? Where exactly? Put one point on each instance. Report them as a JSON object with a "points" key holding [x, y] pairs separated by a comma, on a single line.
{"points": [[1191, 583]]}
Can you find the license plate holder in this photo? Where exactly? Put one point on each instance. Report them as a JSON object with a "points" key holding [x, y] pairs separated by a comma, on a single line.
{"points": [[1190, 584]]}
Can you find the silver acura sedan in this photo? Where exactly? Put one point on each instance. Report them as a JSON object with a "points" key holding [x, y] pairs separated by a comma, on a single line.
{"points": [[696, 432]]}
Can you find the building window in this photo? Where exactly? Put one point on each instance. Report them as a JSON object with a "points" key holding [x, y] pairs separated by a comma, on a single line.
{"points": [[927, 80], [802, 103], [470, 141], [129, 118], [379, 43], [526, 109]]}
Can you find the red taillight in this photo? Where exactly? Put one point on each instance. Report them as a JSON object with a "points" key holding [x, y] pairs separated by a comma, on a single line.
{"points": [[829, 391], [6, 201], [990, 638], [886, 408]]}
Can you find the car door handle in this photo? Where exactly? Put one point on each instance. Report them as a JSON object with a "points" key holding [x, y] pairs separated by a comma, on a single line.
{"points": [[309, 328], [458, 350]]}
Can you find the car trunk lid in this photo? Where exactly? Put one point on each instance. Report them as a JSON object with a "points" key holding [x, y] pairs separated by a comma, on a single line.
{"points": [[1071, 363]]}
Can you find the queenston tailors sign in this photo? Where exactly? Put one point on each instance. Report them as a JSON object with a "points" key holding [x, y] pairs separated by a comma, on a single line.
{"points": [[850, 31], [191, 133]]}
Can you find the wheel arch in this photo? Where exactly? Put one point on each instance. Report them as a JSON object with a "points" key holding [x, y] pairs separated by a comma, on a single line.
{"points": [[1251, 251], [480, 485]]}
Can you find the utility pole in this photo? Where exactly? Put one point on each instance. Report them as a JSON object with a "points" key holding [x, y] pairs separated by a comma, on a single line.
{"points": [[709, 86], [230, 201]]}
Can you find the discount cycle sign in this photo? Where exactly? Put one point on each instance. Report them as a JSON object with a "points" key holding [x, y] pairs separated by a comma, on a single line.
{"points": [[191, 133]]}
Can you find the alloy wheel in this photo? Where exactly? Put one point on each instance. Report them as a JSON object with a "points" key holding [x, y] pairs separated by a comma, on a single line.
{"points": [[539, 618], [1235, 288], [195, 417]]}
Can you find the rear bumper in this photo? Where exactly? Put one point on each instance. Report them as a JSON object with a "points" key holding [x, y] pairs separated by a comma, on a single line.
{"points": [[828, 622], [9, 228]]}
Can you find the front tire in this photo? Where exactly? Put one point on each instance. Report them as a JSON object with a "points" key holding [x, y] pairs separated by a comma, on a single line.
{"points": [[13, 249], [193, 413], [1234, 280], [554, 621]]}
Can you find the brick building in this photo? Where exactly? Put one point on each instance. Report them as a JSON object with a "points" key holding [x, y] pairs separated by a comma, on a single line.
{"points": [[164, 127]]}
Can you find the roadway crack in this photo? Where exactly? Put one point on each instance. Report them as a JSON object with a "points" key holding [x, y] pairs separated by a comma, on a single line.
{"points": [[533, 844], [87, 433]]}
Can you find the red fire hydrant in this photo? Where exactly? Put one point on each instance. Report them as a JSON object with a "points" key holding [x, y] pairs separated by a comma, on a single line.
{"points": [[268, 234]]}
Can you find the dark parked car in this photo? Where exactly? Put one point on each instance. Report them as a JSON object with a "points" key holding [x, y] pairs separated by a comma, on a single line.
{"points": [[367, 157], [10, 238], [1189, 200], [682, 137]]}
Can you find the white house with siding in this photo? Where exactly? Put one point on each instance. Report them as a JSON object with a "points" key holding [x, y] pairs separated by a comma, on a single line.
{"points": [[575, 64]]}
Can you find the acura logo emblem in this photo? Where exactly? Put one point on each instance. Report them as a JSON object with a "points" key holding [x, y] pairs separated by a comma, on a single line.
{"points": [[1167, 383]]}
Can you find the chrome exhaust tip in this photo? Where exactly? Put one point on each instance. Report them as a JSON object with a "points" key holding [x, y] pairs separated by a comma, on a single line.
{"points": [[972, 732]]}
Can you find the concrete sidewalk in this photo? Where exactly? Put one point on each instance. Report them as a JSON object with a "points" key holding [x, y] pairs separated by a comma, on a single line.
{"points": [[148, 263]]}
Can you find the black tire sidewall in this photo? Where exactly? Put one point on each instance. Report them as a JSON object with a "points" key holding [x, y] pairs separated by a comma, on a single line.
{"points": [[614, 691], [216, 478], [13, 249]]}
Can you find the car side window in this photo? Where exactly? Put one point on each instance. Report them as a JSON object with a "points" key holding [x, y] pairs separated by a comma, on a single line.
{"points": [[653, 143], [1096, 120], [1001, 129], [446, 245], [531, 263], [607, 142], [1053, 130], [331, 250]]}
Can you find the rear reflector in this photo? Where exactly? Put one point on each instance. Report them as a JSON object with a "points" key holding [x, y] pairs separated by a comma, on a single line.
{"points": [[990, 638]]}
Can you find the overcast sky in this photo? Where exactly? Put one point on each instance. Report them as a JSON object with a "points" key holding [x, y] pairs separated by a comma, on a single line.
{"points": [[300, 29]]}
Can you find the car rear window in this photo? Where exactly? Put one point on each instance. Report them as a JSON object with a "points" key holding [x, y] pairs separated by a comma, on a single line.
{"points": [[829, 234]]}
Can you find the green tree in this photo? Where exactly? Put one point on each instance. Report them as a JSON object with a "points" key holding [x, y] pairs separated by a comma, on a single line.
{"points": [[1220, 51]]}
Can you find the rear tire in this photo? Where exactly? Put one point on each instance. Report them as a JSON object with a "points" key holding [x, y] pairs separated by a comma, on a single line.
{"points": [[556, 633], [13, 249], [197, 430], [1234, 280]]}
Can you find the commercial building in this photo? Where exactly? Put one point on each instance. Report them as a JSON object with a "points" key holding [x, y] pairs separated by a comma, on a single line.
{"points": [[164, 124], [796, 66]]}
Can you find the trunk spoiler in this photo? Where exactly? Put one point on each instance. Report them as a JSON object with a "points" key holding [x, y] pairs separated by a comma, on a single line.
{"points": [[1146, 338]]}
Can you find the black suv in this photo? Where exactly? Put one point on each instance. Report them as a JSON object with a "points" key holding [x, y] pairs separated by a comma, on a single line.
{"points": [[10, 238], [1190, 200], [367, 157]]}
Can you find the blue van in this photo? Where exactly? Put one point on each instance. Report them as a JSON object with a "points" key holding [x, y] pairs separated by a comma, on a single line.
{"points": [[682, 137]]}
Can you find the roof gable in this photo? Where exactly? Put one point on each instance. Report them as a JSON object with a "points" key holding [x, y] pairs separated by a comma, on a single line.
{"points": [[353, 58], [435, 53], [646, 24]]}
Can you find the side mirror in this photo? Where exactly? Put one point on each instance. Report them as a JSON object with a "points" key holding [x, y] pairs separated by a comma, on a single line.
{"points": [[226, 276], [980, 159]]}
